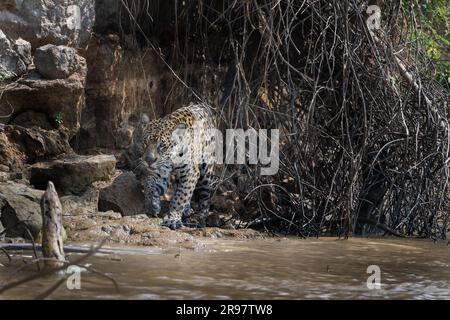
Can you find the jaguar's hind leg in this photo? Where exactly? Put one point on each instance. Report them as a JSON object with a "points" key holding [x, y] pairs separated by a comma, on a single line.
{"points": [[186, 214], [204, 191]]}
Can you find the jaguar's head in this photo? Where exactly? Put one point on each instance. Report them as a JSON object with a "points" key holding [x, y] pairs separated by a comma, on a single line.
{"points": [[163, 141]]}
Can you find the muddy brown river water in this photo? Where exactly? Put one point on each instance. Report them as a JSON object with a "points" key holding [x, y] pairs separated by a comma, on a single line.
{"points": [[324, 268]]}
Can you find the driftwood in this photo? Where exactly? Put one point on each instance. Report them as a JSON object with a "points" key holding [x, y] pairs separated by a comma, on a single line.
{"points": [[52, 238]]}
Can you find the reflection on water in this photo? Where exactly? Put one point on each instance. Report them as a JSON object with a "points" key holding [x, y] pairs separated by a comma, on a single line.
{"points": [[264, 269]]}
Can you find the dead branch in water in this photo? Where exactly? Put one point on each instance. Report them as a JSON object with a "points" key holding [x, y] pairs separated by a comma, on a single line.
{"points": [[6, 254], [49, 271], [33, 246], [67, 248]]}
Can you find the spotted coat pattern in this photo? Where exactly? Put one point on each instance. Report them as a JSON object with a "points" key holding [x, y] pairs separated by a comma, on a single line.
{"points": [[179, 145]]}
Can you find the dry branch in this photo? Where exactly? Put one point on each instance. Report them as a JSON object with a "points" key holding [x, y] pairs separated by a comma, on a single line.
{"points": [[364, 130]]}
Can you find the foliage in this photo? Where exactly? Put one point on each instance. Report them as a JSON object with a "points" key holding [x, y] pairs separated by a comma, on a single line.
{"points": [[434, 33], [5, 74], [59, 120]]}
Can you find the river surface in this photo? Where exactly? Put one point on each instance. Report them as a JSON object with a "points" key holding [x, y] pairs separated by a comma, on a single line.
{"points": [[325, 268]]}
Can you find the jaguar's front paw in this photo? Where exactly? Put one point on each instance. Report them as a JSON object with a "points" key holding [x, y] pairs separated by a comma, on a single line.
{"points": [[152, 210], [172, 223], [153, 206]]}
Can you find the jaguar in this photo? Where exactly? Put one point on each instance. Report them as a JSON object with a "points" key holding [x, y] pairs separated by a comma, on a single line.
{"points": [[179, 145]]}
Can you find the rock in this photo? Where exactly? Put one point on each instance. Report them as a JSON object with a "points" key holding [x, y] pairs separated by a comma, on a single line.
{"points": [[23, 48], [49, 21], [124, 195], [15, 57], [59, 101], [30, 119], [4, 176], [83, 204], [124, 137], [73, 173], [20, 209], [113, 97], [58, 62], [20, 145]]}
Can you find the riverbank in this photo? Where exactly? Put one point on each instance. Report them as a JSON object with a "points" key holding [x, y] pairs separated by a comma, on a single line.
{"points": [[103, 204]]}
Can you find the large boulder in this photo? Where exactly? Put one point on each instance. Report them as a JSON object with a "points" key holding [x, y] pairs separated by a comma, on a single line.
{"points": [[49, 21], [58, 62], [82, 204], [124, 195], [19, 145], [31, 118], [15, 57], [20, 210], [73, 173], [59, 102]]}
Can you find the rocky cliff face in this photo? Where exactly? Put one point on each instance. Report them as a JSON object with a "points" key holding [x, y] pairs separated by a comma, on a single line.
{"points": [[122, 83], [42, 71], [77, 75], [59, 84], [59, 22]]}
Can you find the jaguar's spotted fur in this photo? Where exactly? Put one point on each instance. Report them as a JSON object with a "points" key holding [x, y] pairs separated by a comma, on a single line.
{"points": [[180, 144]]}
